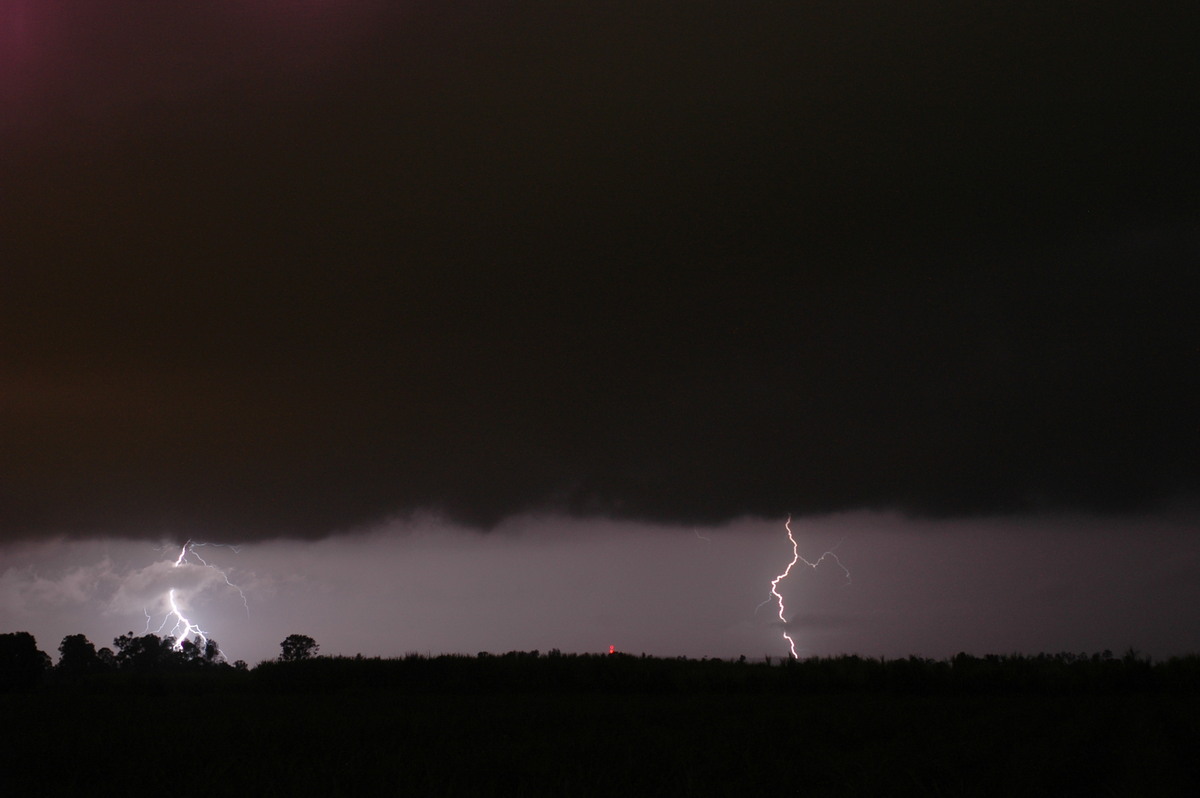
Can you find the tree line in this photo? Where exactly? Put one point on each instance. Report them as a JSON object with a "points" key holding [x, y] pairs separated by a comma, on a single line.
{"points": [[299, 668], [23, 664]]}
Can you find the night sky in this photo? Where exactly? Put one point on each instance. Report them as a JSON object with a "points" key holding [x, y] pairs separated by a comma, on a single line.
{"points": [[525, 324]]}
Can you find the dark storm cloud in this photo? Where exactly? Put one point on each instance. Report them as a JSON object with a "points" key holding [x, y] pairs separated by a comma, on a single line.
{"points": [[285, 272]]}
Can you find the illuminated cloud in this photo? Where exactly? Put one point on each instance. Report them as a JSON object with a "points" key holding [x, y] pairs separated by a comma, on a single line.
{"points": [[352, 283]]}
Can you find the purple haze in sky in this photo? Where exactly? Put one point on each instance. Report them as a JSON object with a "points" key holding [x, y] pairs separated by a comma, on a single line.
{"points": [[925, 588], [592, 296]]}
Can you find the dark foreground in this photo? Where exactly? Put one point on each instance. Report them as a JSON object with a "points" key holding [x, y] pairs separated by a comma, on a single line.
{"points": [[528, 725]]}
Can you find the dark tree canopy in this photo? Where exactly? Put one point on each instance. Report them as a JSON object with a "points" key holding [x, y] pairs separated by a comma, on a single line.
{"points": [[203, 654], [297, 647], [21, 662], [77, 656], [150, 652], [144, 653]]}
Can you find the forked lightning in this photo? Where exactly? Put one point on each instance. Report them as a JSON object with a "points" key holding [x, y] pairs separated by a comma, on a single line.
{"points": [[177, 625], [796, 558]]}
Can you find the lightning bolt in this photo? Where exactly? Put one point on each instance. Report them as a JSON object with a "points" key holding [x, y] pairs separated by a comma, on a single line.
{"points": [[796, 558], [190, 548], [182, 626]]}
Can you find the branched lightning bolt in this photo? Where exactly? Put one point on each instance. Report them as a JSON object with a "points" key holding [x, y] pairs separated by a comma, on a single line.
{"points": [[796, 558], [190, 548], [183, 627]]}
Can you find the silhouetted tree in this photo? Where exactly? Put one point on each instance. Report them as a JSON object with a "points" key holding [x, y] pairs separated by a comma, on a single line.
{"points": [[77, 656], [297, 647], [148, 652], [21, 663], [189, 652], [195, 654]]}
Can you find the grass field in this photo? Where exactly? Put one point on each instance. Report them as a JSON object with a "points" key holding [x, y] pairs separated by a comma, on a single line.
{"points": [[288, 731]]}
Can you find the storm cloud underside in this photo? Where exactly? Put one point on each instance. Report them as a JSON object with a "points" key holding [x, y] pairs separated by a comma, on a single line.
{"points": [[284, 274]]}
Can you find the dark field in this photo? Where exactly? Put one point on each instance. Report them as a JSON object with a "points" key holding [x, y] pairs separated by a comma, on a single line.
{"points": [[529, 725]]}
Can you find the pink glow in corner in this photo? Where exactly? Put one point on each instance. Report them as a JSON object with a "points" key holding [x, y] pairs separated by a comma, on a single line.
{"points": [[20, 25], [66, 67]]}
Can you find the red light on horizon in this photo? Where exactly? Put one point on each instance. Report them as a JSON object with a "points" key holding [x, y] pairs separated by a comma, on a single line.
{"points": [[612, 649]]}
